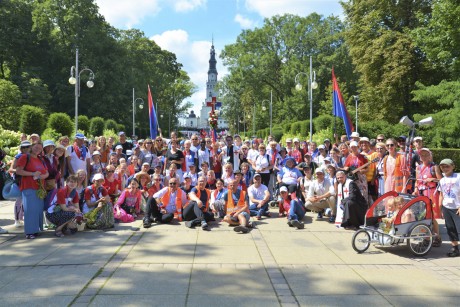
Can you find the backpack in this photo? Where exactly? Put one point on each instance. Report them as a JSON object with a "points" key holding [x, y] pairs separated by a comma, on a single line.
{"points": [[17, 178]]}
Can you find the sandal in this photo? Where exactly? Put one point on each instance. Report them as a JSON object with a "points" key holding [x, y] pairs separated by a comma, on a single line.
{"points": [[59, 234], [437, 242]]}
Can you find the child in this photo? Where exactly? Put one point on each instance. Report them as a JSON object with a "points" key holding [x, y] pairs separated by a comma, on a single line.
{"points": [[449, 186], [130, 199], [204, 169], [210, 180], [392, 212]]}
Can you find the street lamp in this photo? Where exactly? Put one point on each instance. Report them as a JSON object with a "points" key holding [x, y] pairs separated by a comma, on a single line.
{"points": [[356, 97], [141, 106], [270, 108], [75, 80], [312, 85]]}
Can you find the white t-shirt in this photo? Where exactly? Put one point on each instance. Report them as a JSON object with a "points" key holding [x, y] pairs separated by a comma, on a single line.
{"points": [[262, 162], [257, 193], [171, 207], [450, 189], [252, 154], [203, 156], [75, 162]]}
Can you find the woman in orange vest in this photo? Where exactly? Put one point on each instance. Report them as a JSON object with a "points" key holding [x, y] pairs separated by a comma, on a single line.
{"points": [[236, 208], [166, 204], [392, 168], [196, 211]]}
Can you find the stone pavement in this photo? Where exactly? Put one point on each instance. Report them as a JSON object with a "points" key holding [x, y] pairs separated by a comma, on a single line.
{"points": [[171, 265]]}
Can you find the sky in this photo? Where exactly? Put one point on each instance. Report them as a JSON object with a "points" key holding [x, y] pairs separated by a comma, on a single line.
{"points": [[187, 27]]}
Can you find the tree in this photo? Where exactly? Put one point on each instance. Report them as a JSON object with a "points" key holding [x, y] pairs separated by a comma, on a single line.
{"points": [[10, 96], [110, 124], [61, 123], [96, 126], [83, 123], [31, 120]]}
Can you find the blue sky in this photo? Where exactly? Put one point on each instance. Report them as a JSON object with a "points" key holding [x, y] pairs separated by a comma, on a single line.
{"points": [[186, 27]]}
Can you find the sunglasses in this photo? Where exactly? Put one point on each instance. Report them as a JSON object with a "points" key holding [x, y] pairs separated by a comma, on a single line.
{"points": [[390, 145], [172, 183], [158, 140], [380, 140], [148, 143]]}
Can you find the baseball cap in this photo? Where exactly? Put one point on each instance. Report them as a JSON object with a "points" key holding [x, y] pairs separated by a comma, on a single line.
{"points": [[288, 140], [25, 144], [364, 139], [98, 177], [447, 161], [354, 135], [353, 143], [296, 140], [118, 147], [238, 172], [418, 138], [321, 147], [401, 138], [425, 149], [257, 175], [96, 152], [121, 133], [283, 189], [187, 176], [80, 136], [327, 140], [145, 163], [319, 170]]}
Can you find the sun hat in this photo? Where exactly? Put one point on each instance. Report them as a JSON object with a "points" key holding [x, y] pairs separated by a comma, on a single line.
{"points": [[354, 135], [283, 189], [80, 136], [98, 177], [96, 152], [48, 143], [118, 147], [447, 162], [25, 144]]}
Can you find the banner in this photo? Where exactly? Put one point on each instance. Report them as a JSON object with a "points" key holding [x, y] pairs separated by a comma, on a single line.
{"points": [[338, 106], [152, 117]]}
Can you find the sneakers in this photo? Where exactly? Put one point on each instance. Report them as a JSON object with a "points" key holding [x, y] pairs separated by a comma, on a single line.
{"points": [[18, 224], [320, 215], [205, 226], [296, 223], [189, 224], [332, 219], [240, 228], [147, 223], [454, 252], [3, 231], [290, 223]]}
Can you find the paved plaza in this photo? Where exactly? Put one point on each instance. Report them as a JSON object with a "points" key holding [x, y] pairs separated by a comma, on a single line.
{"points": [[171, 265]]}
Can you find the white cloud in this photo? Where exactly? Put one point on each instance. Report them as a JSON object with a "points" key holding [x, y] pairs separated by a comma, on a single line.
{"points": [[269, 8], [188, 5], [194, 55], [126, 14], [244, 22]]}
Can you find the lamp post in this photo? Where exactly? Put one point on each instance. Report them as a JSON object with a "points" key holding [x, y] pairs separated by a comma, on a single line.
{"points": [[356, 97], [270, 108], [75, 80], [312, 85], [141, 106]]}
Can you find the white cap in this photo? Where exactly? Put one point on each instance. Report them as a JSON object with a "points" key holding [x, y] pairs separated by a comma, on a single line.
{"points": [[354, 135], [98, 177], [418, 138], [288, 140], [353, 143], [118, 147], [48, 143], [283, 189], [321, 146], [319, 170], [364, 139], [296, 140], [96, 152]]}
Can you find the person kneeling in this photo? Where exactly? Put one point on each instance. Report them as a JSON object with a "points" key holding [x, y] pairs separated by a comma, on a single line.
{"points": [[164, 204], [294, 207], [236, 207], [196, 211]]}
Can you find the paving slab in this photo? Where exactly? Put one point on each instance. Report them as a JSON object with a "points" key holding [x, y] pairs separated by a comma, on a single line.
{"points": [[420, 300], [342, 300], [295, 254], [227, 254], [139, 300], [148, 280], [37, 301], [232, 300]]}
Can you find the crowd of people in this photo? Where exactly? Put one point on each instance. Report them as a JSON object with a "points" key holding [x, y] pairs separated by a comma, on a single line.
{"points": [[200, 181]]}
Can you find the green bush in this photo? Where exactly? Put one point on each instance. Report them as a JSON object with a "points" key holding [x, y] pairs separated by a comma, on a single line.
{"points": [[443, 153], [51, 134], [277, 133], [305, 127], [83, 123], [9, 142], [324, 121], [96, 126], [60, 123], [110, 133], [121, 127], [110, 124], [32, 119], [295, 128], [287, 127]]}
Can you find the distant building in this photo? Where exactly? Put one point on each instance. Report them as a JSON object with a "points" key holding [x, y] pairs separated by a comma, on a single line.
{"points": [[202, 120]]}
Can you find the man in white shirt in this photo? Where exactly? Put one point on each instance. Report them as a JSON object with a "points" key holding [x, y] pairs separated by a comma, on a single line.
{"points": [[321, 194], [78, 156], [258, 198]]}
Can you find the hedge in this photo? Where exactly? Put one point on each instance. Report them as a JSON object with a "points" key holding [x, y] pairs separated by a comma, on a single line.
{"points": [[32, 119], [61, 123], [96, 127], [83, 123], [443, 153]]}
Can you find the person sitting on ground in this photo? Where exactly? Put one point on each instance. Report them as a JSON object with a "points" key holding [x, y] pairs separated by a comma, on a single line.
{"points": [[236, 208], [289, 176], [217, 202], [354, 207], [130, 199], [292, 207], [97, 207], [165, 204], [258, 198], [196, 212], [65, 207], [321, 195]]}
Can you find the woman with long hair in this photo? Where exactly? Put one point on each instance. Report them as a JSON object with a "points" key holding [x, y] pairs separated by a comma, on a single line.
{"points": [[104, 149], [392, 168]]}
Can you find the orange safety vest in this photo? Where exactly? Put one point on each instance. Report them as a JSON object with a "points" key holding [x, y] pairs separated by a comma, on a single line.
{"points": [[398, 173], [198, 194], [165, 201], [240, 204]]}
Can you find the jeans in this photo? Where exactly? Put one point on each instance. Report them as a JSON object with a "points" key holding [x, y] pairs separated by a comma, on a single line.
{"points": [[297, 211], [258, 211], [196, 215]]}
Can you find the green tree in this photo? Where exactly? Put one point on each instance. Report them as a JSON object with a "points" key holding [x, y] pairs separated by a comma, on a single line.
{"points": [[10, 96], [96, 126], [83, 123], [32, 120], [61, 123], [110, 124]]}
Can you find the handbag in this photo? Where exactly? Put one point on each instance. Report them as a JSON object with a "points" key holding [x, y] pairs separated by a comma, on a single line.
{"points": [[11, 190]]}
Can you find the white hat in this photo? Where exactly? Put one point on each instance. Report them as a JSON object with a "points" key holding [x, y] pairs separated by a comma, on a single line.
{"points": [[425, 149], [418, 138], [98, 177], [354, 135], [296, 140], [48, 143], [321, 146], [118, 147], [328, 159], [96, 152], [353, 143], [364, 139], [283, 189], [319, 170], [288, 140]]}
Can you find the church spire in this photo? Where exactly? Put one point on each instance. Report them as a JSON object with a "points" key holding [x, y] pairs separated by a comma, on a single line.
{"points": [[212, 60]]}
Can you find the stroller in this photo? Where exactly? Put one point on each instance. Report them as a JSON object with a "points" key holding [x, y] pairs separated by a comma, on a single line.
{"points": [[416, 231]]}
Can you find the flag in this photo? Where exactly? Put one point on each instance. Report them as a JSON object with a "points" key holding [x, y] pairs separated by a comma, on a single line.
{"points": [[214, 135], [338, 106], [152, 117]]}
